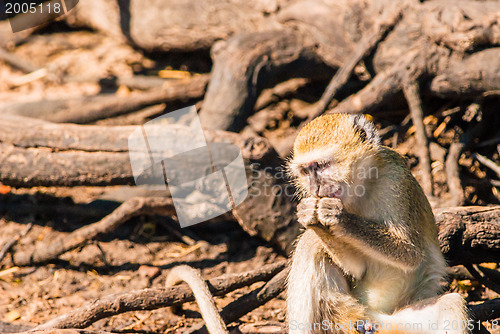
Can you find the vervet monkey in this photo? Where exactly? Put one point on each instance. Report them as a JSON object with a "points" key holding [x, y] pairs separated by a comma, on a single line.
{"points": [[369, 258]]}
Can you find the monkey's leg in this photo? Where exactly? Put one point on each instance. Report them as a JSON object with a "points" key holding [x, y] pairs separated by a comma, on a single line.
{"points": [[318, 298], [439, 315]]}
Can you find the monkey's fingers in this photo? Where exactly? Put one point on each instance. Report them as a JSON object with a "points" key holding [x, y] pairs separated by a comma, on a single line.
{"points": [[306, 211], [331, 203], [308, 203], [329, 211], [307, 217]]}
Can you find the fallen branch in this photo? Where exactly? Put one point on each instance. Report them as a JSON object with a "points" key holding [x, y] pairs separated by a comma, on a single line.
{"points": [[70, 155], [453, 173], [150, 299], [248, 302], [192, 25], [469, 234], [146, 82], [456, 149], [256, 298], [16, 62], [279, 92], [92, 138], [67, 331], [384, 86], [469, 77], [364, 48], [458, 273], [92, 108], [492, 274], [245, 64], [133, 207], [141, 82], [42, 167], [482, 278], [489, 310], [488, 163], [6, 248], [412, 94]]}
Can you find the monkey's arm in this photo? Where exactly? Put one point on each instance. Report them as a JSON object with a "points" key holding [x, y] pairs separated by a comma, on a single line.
{"points": [[392, 243]]}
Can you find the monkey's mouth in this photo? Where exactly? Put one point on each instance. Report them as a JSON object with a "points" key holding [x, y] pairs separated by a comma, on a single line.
{"points": [[337, 193], [334, 191]]}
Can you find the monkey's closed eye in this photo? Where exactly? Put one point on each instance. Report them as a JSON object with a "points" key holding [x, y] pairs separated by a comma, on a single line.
{"points": [[314, 166], [325, 164]]}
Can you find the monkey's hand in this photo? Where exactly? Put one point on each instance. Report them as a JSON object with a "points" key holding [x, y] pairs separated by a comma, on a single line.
{"points": [[329, 210], [306, 211]]}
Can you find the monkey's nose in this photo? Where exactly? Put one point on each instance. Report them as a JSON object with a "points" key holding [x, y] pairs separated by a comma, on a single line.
{"points": [[314, 184]]}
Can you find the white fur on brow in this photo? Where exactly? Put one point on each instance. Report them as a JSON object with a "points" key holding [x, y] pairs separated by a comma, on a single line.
{"points": [[315, 155]]}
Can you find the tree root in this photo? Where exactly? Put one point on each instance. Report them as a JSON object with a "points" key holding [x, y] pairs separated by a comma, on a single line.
{"points": [[150, 299]]}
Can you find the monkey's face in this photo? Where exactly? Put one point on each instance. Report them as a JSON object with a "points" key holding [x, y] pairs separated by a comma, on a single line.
{"points": [[332, 156], [318, 175]]}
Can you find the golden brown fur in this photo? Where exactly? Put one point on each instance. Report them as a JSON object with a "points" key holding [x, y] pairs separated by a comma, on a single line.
{"points": [[370, 247]]}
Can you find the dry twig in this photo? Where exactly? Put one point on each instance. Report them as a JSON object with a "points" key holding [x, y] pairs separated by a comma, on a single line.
{"points": [[133, 207], [248, 302], [89, 109], [488, 163], [451, 164], [6, 248], [488, 310], [383, 86], [482, 278], [67, 331], [412, 93], [364, 48], [453, 173], [469, 234], [17, 62], [150, 299]]}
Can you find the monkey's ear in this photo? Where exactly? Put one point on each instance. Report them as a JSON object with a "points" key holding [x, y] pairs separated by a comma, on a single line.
{"points": [[367, 129]]}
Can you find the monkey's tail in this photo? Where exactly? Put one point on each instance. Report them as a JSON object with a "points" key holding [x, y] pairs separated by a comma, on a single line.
{"points": [[204, 298]]}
